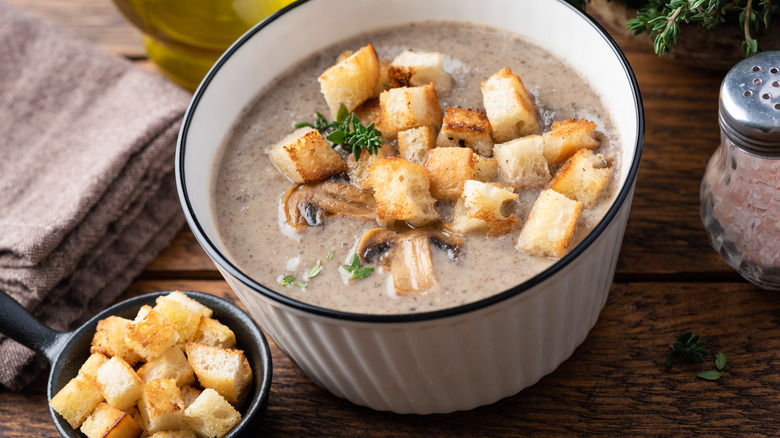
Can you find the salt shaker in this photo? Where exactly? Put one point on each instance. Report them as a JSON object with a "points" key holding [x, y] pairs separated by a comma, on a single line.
{"points": [[740, 190]]}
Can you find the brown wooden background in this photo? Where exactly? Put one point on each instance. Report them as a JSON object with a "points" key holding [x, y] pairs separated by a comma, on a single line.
{"points": [[669, 280]]}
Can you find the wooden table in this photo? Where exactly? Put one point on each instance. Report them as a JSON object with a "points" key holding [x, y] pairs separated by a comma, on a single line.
{"points": [[668, 281]]}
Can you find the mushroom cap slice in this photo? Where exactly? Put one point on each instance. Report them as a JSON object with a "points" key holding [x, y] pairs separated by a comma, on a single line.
{"points": [[408, 252], [304, 205]]}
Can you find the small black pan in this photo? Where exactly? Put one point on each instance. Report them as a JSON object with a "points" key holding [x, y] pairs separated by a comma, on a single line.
{"points": [[67, 351]]}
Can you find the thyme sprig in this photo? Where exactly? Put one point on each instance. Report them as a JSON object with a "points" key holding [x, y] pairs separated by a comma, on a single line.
{"points": [[348, 131], [662, 18], [688, 345], [356, 270]]}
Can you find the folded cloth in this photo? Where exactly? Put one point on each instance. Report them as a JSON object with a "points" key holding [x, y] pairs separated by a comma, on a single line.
{"points": [[87, 193]]}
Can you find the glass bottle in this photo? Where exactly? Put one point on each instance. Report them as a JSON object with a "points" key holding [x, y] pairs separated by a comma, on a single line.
{"points": [[740, 190]]}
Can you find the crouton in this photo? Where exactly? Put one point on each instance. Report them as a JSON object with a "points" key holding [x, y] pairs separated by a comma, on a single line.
{"points": [[119, 383], [161, 406], [414, 143], [189, 394], [582, 177], [450, 168], [402, 192], [509, 107], [351, 81], [305, 156], [485, 208], [384, 78], [408, 107], [172, 364], [358, 170], [486, 168], [109, 339], [550, 226], [214, 333], [90, 366], [192, 305], [151, 334], [420, 68], [466, 128], [76, 400], [107, 421], [173, 434], [183, 318], [521, 162], [211, 415], [223, 370], [566, 137]]}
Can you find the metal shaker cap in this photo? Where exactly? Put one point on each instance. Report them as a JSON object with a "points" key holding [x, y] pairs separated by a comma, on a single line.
{"points": [[749, 111]]}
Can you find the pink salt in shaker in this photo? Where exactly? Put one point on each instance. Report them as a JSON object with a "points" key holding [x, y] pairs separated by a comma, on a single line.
{"points": [[740, 191]]}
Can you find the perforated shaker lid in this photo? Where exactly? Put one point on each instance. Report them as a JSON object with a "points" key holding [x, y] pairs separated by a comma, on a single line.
{"points": [[750, 103]]}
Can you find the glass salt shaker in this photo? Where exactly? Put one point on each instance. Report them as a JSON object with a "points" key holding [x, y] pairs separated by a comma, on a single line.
{"points": [[740, 190]]}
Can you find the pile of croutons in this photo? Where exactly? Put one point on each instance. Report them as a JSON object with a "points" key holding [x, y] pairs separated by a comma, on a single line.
{"points": [[475, 159], [171, 372]]}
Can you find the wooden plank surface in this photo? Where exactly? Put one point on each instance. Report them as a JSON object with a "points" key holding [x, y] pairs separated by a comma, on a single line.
{"points": [[669, 280]]}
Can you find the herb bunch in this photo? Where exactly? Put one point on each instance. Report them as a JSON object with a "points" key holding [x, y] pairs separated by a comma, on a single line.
{"points": [[691, 347], [662, 18], [348, 131]]}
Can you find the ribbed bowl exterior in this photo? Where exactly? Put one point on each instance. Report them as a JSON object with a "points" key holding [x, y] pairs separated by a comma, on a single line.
{"points": [[454, 363]]}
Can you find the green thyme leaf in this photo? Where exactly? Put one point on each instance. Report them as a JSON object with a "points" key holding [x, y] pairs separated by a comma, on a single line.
{"points": [[720, 361], [330, 256], [314, 270], [300, 285], [355, 270], [286, 280], [709, 375]]}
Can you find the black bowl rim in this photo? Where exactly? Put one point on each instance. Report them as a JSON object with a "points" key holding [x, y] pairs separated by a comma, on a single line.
{"points": [[235, 272], [262, 388]]}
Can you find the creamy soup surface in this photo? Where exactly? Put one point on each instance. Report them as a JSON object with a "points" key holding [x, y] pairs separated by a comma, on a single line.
{"points": [[247, 187]]}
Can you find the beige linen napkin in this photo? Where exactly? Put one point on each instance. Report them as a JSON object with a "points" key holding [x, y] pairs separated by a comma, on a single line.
{"points": [[87, 194]]}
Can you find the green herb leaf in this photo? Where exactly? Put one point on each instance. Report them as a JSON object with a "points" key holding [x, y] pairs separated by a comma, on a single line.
{"points": [[720, 361], [688, 346], [286, 280], [300, 285], [355, 269], [314, 270], [709, 375], [330, 256]]}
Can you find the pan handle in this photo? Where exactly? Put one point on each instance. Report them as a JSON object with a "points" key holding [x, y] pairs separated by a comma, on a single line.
{"points": [[21, 326]]}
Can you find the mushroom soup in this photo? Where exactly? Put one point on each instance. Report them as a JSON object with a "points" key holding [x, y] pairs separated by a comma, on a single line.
{"points": [[280, 233]]}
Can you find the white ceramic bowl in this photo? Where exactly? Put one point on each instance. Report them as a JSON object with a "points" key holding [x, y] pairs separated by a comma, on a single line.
{"points": [[441, 361]]}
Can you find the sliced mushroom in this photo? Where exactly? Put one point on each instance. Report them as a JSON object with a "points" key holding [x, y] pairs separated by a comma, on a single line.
{"points": [[306, 204], [408, 252]]}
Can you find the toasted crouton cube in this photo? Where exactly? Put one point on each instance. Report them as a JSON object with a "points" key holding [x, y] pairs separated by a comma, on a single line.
{"points": [[186, 322], [305, 156], [76, 400], [189, 394], [487, 168], [192, 305], [214, 333], [582, 177], [566, 137], [414, 143], [161, 405], [173, 434], [107, 421], [226, 371], [521, 162], [211, 415], [109, 339], [466, 128], [550, 226], [90, 366], [450, 168], [151, 334], [485, 208], [351, 81], [408, 107], [119, 383], [358, 170], [420, 68], [509, 107], [172, 364], [402, 192]]}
